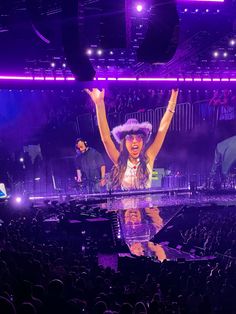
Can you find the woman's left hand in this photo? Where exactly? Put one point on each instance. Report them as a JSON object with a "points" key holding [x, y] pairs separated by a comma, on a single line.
{"points": [[174, 94]]}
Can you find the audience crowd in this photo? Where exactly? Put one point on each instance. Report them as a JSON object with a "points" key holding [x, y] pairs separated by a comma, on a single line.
{"points": [[43, 271], [214, 233]]}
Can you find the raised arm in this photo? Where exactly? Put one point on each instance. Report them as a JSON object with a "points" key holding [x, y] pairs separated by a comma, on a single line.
{"points": [[155, 147], [97, 97]]}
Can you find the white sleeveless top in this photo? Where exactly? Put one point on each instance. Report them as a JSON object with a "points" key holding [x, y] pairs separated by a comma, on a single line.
{"points": [[130, 181]]}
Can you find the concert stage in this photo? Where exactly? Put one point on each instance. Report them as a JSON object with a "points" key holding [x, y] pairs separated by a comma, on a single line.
{"points": [[143, 198], [153, 225]]}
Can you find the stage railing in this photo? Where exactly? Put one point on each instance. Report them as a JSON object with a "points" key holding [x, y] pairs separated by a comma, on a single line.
{"points": [[183, 119], [187, 116], [85, 125], [114, 119]]}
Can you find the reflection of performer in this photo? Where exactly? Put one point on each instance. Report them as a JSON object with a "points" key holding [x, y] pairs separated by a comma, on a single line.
{"points": [[133, 164], [225, 159], [90, 167], [138, 228]]}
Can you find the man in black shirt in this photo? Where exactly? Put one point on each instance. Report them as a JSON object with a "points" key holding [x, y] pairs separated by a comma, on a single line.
{"points": [[90, 167]]}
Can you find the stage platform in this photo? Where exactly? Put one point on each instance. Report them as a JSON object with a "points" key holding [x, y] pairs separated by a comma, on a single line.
{"points": [[144, 222], [159, 197], [138, 223]]}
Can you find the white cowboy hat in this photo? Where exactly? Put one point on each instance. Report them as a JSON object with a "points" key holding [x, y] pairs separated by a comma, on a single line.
{"points": [[132, 126]]}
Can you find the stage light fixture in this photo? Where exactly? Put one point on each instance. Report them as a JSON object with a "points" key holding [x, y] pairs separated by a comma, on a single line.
{"points": [[18, 200], [225, 54], [232, 42], [158, 46], [53, 64], [162, 36], [72, 37], [139, 7], [216, 54], [89, 52]]}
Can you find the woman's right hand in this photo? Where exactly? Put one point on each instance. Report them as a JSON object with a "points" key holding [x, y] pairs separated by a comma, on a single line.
{"points": [[96, 95], [78, 179]]}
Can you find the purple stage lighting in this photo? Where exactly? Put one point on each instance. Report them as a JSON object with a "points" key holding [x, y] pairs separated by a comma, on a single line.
{"points": [[89, 52], [15, 77], [21, 202], [115, 78], [18, 199], [139, 7]]}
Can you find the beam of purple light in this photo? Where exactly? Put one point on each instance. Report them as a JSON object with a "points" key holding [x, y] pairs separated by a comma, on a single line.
{"points": [[43, 38], [137, 79], [15, 77], [126, 79], [158, 79], [70, 79], [49, 78], [39, 78]]}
